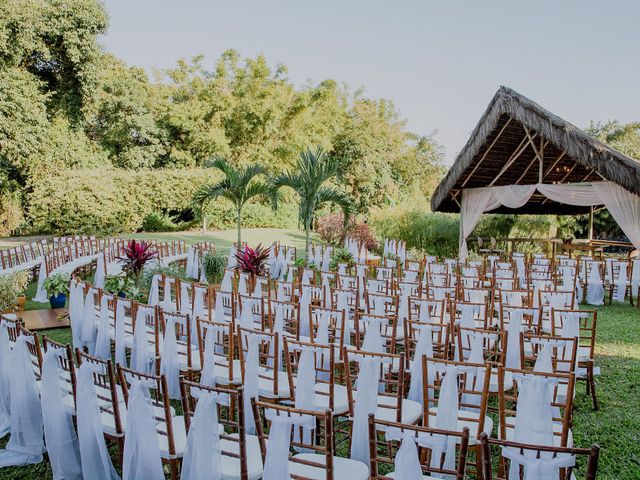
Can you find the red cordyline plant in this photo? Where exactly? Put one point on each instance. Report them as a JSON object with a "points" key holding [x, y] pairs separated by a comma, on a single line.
{"points": [[252, 260], [136, 255]]}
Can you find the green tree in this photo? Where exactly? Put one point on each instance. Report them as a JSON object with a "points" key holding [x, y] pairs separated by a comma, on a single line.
{"points": [[313, 169], [238, 186]]}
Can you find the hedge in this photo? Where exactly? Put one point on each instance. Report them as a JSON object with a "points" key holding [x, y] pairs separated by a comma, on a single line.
{"points": [[108, 201]]}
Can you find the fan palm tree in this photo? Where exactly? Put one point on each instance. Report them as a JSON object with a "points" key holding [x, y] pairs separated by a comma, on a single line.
{"points": [[313, 169], [238, 186]]}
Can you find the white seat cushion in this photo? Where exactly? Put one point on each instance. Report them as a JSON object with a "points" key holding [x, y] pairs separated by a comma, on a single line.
{"points": [[424, 477], [493, 384], [343, 468], [467, 418], [265, 385], [340, 398], [411, 411], [231, 465]]}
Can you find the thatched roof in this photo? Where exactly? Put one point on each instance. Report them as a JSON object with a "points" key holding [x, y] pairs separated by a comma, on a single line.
{"points": [[501, 146]]}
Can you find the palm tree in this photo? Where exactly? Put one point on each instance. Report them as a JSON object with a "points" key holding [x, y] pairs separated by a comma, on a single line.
{"points": [[313, 169], [238, 186]]}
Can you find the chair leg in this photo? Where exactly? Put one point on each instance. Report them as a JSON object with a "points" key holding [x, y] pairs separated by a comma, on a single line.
{"points": [[174, 469], [592, 383], [478, 461]]}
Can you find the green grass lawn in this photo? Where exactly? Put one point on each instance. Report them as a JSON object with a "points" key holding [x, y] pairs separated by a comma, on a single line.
{"points": [[615, 427], [225, 238]]}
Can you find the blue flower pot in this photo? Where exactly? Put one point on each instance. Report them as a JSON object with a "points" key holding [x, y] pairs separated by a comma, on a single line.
{"points": [[58, 301]]}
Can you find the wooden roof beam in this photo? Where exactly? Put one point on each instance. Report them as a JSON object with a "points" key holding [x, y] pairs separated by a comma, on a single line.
{"points": [[486, 152], [516, 154]]}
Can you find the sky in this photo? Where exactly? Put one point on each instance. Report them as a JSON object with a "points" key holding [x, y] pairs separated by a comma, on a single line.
{"points": [[440, 62]]}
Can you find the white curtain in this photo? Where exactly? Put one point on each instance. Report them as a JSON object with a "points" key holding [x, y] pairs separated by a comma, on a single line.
{"points": [[513, 196], [624, 206], [475, 202], [581, 194]]}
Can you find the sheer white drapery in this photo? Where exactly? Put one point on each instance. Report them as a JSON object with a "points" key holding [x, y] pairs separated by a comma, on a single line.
{"points": [[26, 444], [95, 459], [624, 206], [141, 449], [59, 433], [476, 201]]}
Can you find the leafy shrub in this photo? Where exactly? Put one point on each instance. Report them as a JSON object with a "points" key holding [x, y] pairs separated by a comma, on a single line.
{"points": [[341, 255], [363, 234], [108, 201], [11, 286], [11, 215], [222, 215], [330, 228], [169, 270], [158, 222], [431, 233], [126, 286]]}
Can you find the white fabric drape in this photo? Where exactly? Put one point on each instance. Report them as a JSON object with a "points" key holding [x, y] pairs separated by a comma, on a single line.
{"points": [[366, 403], [88, 326], [202, 456], [95, 460], [580, 194], [141, 450], [424, 348], [103, 340], [41, 293], [5, 380], [169, 361], [624, 206], [26, 444], [476, 201], [100, 275], [276, 464], [59, 433]]}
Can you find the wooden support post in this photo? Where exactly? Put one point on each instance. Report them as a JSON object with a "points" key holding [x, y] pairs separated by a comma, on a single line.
{"points": [[591, 223], [460, 232]]}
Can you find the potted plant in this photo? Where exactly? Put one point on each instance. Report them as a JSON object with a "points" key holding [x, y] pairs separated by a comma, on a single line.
{"points": [[252, 260], [341, 255], [57, 287], [12, 285], [136, 255], [214, 264], [123, 286]]}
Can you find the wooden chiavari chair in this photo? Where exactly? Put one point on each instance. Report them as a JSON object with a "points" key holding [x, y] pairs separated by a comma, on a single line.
{"points": [[240, 452], [170, 428], [586, 339], [534, 451], [273, 382], [318, 461], [561, 403], [473, 393], [67, 370], [113, 410], [391, 404], [383, 451]]}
